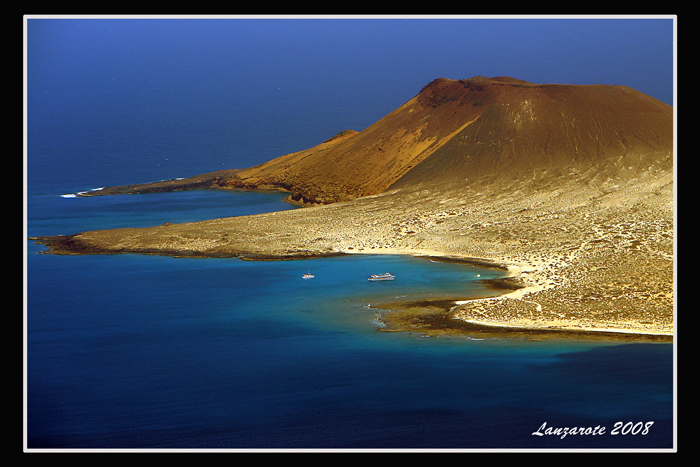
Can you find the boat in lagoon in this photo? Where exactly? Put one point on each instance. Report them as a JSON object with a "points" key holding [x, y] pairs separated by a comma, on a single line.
{"points": [[382, 277], [307, 274]]}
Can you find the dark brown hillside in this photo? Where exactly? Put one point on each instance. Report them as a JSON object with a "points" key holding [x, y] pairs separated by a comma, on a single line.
{"points": [[526, 127]]}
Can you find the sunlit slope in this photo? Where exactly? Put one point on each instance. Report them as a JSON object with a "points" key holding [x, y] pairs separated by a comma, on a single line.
{"points": [[528, 130], [461, 130], [358, 164]]}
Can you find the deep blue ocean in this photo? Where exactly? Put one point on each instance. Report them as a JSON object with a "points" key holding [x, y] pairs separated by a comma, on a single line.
{"points": [[132, 351]]}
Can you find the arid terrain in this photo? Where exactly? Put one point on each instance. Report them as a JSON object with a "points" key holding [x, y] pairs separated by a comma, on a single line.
{"points": [[569, 187]]}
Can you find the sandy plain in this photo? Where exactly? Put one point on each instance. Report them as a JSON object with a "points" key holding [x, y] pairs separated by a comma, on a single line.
{"points": [[586, 254]]}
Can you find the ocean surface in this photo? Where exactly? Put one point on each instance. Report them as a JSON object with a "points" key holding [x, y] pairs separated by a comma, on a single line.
{"points": [[145, 352]]}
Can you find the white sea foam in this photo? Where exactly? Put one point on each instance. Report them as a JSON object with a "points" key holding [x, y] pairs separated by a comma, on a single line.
{"points": [[80, 193], [378, 321]]}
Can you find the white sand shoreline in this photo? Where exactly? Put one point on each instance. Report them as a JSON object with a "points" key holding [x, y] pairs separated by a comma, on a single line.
{"points": [[514, 271], [568, 328]]}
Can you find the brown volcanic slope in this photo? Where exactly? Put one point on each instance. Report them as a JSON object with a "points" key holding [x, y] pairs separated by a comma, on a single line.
{"points": [[523, 127], [462, 130]]}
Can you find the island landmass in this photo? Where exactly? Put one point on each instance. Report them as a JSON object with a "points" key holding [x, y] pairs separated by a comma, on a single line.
{"points": [[568, 188]]}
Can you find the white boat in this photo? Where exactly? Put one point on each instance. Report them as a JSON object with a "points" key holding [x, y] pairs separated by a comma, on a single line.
{"points": [[308, 275], [381, 277]]}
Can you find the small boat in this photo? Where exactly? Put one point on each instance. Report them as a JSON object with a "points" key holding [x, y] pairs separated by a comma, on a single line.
{"points": [[308, 275], [381, 277]]}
